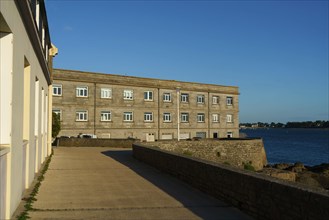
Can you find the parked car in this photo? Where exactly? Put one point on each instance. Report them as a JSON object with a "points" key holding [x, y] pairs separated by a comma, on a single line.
{"points": [[87, 136]]}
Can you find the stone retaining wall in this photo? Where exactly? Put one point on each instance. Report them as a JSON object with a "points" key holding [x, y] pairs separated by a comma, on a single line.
{"points": [[95, 142], [258, 195], [235, 152]]}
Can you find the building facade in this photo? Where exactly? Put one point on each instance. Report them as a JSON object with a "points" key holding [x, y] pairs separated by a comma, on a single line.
{"points": [[25, 97], [117, 106]]}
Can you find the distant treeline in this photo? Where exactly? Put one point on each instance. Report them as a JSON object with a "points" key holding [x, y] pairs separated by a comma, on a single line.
{"points": [[304, 124], [308, 124]]}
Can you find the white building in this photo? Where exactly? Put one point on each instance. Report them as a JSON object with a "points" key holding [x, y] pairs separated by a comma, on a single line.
{"points": [[25, 97]]}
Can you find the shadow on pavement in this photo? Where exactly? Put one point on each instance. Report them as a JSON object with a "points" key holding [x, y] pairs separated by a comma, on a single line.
{"points": [[202, 205]]}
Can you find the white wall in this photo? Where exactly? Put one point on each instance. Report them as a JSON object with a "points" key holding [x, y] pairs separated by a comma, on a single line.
{"points": [[15, 125], [6, 60]]}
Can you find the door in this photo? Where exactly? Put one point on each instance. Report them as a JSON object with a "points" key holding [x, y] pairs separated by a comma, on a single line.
{"points": [[229, 134], [150, 137]]}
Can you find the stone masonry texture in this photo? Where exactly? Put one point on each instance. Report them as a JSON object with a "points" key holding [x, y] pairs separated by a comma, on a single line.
{"points": [[95, 142], [260, 196], [235, 152], [67, 103]]}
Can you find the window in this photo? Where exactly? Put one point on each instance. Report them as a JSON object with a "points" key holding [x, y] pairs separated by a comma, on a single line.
{"points": [[128, 94], [58, 112], [166, 117], [148, 95], [229, 100], [81, 116], [127, 116], [166, 97], [106, 93], [148, 116], [37, 13], [215, 118], [43, 35], [229, 118], [57, 90], [200, 99], [105, 116], [200, 117], [82, 91], [184, 117], [184, 97], [215, 100]]}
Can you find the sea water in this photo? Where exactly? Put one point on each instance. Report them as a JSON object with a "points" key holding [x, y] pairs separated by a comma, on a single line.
{"points": [[290, 145]]}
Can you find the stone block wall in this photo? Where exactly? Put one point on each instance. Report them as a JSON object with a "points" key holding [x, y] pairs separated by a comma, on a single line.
{"points": [[97, 142], [235, 152], [258, 195], [67, 104]]}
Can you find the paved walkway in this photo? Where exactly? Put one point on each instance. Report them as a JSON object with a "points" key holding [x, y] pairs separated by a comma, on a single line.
{"points": [[107, 183]]}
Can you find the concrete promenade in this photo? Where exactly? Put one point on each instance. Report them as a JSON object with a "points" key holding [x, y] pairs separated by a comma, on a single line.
{"points": [[108, 183]]}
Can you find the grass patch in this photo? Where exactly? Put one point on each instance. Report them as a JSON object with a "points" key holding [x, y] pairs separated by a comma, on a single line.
{"points": [[249, 166], [31, 198], [187, 153]]}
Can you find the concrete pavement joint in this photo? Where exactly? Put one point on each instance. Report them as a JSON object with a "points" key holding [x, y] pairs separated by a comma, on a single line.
{"points": [[130, 208]]}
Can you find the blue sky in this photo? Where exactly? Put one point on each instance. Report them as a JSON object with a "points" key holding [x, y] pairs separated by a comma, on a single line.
{"points": [[276, 52]]}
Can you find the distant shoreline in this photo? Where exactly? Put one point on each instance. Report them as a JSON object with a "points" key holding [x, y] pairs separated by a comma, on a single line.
{"points": [[290, 124], [284, 128]]}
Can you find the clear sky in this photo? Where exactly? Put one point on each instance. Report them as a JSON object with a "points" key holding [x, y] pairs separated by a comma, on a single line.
{"points": [[276, 52]]}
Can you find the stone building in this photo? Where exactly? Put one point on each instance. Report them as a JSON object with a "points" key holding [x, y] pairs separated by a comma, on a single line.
{"points": [[117, 106], [25, 97]]}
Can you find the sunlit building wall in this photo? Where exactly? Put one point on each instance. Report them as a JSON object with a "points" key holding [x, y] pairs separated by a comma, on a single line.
{"points": [[26, 53], [117, 106]]}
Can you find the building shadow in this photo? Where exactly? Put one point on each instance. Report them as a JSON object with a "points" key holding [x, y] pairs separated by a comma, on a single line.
{"points": [[202, 205]]}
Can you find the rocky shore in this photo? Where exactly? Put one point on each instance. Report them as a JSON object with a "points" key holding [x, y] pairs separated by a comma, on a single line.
{"points": [[313, 176]]}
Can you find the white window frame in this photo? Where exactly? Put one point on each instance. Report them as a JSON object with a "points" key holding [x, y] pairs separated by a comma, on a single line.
{"points": [[184, 117], [201, 117], [215, 118], [106, 93], [229, 118], [148, 116], [200, 99], [82, 91], [166, 117], [58, 112], [128, 116], [167, 97], [57, 89], [215, 99], [128, 94], [106, 116], [81, 115], [229, 100], [184, 97], [148, 95]]}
